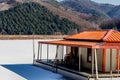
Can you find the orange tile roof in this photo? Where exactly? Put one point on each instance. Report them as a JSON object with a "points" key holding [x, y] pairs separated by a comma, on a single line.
{"points": [[112, 36], [100, 39], [88, 35], [105, 36]]}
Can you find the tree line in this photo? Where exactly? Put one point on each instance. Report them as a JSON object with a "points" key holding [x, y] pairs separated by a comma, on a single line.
{"points": [[111, 24]]}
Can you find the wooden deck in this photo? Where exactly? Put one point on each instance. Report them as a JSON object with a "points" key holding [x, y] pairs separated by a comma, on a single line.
{"points": [[83, 72]]}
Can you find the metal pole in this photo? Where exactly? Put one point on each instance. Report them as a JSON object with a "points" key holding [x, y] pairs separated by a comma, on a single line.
{"points": [[92, 63], [96, 66]]}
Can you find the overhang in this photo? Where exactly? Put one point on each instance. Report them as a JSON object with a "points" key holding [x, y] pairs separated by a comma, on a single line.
{"points": [[70, 43], [82, 44]]}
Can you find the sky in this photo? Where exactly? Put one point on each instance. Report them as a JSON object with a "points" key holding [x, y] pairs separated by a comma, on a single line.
{"points": [[114, 2]]}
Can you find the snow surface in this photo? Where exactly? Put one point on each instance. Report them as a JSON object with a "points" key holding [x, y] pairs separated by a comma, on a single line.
{"points": [[19, 52]]}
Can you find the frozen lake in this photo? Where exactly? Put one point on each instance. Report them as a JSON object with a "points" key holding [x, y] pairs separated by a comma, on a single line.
{"points": [[15, 51], [16, 57], [21, 51]]}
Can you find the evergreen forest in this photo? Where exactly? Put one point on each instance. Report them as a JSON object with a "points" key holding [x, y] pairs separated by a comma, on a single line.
{"points": [[29, 18]]}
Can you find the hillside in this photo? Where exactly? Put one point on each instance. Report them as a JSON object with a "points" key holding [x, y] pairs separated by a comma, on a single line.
{"points": [[106, 7], [29, 18], [114, 12], [87, 22], [6, 4], [85, 6], [87, 14]]}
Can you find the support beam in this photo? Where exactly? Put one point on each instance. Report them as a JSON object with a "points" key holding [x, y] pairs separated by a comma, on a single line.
{"points": [[56, 59], [79, 59], [47, 52], [93, 62], [33, 50], [38, 51], [96, 65], [41, 52], [111, 61], [62, 52]]}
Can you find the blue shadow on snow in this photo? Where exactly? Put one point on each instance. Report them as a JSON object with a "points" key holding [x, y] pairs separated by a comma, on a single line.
{"points": [[31, 72]]}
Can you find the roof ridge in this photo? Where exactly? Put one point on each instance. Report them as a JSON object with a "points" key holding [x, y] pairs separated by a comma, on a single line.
{"points": [[107, 34]]}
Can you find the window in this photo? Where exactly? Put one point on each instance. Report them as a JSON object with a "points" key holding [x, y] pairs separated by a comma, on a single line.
{"points": [[89, 54]]}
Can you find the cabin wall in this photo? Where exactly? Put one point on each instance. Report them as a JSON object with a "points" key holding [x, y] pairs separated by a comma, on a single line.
{"points": [[108, 60], [85, 64], [99, 58]]}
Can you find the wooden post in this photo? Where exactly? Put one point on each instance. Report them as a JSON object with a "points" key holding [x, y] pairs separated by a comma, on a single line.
{"points": [[96, 65], [118, 62], [92, 63], [79, 59], [111, 61], [41, 52], [38, 51], [47, 52]]}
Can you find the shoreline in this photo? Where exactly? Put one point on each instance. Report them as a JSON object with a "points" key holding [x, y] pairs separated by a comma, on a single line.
{"points": [[22, 37]]}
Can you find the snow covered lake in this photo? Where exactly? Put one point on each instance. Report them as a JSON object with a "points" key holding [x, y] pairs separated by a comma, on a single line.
{"points": [[21, 51], [16, 57]]}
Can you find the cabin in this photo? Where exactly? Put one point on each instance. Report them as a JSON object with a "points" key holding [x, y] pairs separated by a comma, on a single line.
{"points": [[91, 55]]}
